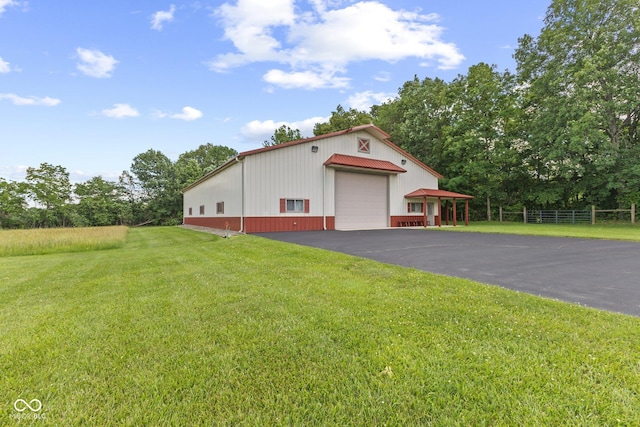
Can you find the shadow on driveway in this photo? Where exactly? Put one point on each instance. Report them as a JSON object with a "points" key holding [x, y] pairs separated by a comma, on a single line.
{"points": [[596, 273]]}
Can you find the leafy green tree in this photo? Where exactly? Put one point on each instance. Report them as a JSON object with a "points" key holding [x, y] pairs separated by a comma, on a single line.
{"points": [[49, 186], [100, 202], [583, 76], [482, 139], [283, 134], [160, 191], [419, 120], [13, 204], [208, 156], [342, 119]]}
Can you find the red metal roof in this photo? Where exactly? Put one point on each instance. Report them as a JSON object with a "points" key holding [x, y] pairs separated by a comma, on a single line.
{"points": [[363, 163], [427, 192]]}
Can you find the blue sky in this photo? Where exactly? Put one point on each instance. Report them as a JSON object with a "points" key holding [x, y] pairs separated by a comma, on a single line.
{"points": [[88, 85]]}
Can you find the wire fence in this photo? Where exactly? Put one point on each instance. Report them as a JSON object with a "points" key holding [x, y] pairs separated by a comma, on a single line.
{"points": [[582, 216]]}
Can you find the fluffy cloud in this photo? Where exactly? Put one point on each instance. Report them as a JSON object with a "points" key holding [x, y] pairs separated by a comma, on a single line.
{"points": [[162, 16], [4, 66], [31, 100], [4, 4], [95, 63], [306, 79], [363, 101], [120, 111], [188, 114], [318, 45], [262, 130]]}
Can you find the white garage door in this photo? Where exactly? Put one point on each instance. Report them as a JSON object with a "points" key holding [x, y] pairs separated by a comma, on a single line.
{"points": [[361, 201]]}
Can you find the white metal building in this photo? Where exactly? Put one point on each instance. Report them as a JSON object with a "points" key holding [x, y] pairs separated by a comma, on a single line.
{"points": [[351, 179]]}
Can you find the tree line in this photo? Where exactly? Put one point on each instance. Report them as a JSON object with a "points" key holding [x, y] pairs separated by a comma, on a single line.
{"points": [[148, 193], [559, 133]]}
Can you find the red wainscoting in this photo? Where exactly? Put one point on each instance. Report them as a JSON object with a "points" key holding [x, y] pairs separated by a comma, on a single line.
{"points": [[280, 223]]}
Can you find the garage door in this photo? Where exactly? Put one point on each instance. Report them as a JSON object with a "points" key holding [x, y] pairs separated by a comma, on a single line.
{"points": [[361, 201]]}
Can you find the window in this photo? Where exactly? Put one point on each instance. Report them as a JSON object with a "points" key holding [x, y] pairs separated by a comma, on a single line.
{"points": [[220, 207], [201, 209], [294, 205], [415, 207], [190, 211], [429, 208], [364, 146]]}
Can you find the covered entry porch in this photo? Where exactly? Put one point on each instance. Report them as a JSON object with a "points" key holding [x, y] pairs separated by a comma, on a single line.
{"points": [[442, 196]]}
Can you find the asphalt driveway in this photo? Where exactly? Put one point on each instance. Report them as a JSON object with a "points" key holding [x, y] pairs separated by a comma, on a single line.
{"points": [[597, 273]]}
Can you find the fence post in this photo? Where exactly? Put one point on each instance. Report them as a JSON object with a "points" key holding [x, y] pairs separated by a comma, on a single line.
{"points": [[500, 210], [593, 214], [633, 213], [524, 214]]}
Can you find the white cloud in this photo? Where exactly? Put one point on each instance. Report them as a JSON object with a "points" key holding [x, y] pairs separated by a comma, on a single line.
{"points": [[188, 114], [305, 79], [95, 63], [31, 100], [325, 41], [162, 16], [262, 130], [363, 101], [4, 66], [4, 4], [120, 111]]}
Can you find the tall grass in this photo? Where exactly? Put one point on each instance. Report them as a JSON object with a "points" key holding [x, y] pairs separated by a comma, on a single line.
{"points": [[53, 240]]}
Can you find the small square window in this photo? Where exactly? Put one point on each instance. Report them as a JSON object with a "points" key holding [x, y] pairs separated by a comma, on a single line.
{"points": [[190, 211], [415, 207], [201, 209], [220, 207], [295, 205]]}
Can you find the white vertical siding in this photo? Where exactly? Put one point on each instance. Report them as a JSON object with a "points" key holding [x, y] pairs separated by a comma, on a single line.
{"points": [[226, 186], [295, 172]]}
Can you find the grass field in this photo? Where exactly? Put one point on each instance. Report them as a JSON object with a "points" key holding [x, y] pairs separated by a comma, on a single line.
{"points": [[184, 328], [55, 240], [598, 231]]}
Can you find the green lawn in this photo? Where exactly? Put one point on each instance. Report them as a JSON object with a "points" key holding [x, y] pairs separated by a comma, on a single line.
{"points": [[184, 328], [597, 231]]}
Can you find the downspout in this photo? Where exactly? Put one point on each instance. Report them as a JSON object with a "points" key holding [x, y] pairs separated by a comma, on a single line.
{"points": [[242, 195], [324, 195]]}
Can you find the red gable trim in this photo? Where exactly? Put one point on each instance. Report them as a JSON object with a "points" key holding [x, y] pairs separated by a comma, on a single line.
{"points": [[363, 163], [427, 192]]}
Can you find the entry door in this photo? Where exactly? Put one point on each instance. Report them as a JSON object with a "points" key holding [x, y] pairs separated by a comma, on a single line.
{"points": [[361, 201]]}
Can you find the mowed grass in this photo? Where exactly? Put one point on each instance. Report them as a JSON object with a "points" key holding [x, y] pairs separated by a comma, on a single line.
{"points": [[185, 328], [55, 240], [596, 231]]}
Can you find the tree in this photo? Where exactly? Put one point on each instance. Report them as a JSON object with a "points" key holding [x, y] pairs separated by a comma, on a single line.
{"points": [[49, 186], [208, 156], [100, 202], [343, 119], [482, 138], [13, 204], [161, 193], [583, 77], [283, 134]]}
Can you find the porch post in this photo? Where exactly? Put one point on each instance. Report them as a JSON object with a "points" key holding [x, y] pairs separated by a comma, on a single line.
{"points": [[446, 210], [466, 212], [454, 212], [439, 212], [424, 208]]}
